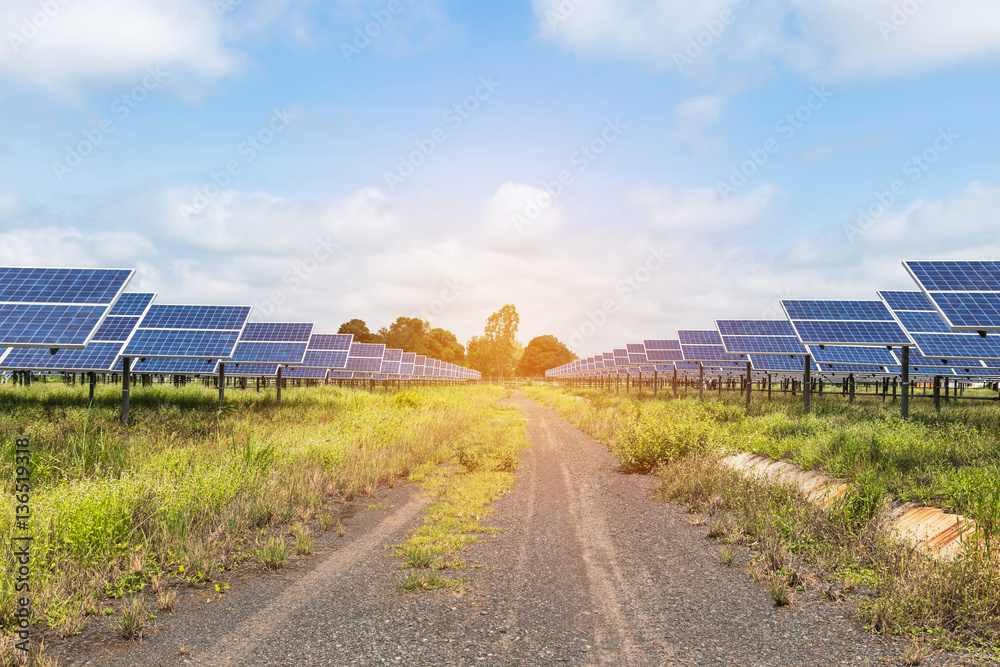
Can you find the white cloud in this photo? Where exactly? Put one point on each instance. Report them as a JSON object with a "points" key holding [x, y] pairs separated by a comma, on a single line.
{"points": [[695, 117], [66, 46], [825, 39], [522, 217], [703, 208]]}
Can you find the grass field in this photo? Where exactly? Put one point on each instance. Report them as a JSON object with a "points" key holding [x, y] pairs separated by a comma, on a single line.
{"points": [[950, 459], [188, 488]]}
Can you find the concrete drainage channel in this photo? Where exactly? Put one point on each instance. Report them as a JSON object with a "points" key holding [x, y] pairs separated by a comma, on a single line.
{"points": [[930, 529]]}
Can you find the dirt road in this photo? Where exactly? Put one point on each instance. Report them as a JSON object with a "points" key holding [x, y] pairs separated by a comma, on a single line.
{"points": [[587, 570]]}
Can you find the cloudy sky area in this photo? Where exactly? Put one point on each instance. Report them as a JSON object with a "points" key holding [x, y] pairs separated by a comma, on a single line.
{"points": [[647, 165]]}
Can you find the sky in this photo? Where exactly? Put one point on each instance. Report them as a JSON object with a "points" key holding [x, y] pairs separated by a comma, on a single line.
{"points": [[616, 169]]}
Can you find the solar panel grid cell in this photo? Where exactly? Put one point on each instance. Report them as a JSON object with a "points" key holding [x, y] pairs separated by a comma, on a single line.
{"points": [[837, 310], [48, 326], [132, 303], [852, 354], [755, 328], [331, 342], [62, 286], [694, 337], [753, 344], [115, 329], [661, 345], [260, 353], [174, 343], [851, 333], [275, 332]]}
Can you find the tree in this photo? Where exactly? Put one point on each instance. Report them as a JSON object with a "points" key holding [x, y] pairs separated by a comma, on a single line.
{"points": [[477, 355], [543, 353], [406, 334], [360, 331], [443, 344], [501, 327]]}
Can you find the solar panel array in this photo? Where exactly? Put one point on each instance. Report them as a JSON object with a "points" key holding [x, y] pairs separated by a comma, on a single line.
{"points": [[188, 332], [945, 327]]}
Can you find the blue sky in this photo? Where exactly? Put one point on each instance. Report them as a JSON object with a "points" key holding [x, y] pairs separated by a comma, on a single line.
{"points": [[259, 152]]}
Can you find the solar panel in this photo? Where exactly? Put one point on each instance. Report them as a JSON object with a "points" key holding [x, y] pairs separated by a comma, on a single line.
{"points": [[365, 357], [302, 373], [252, 370], [931, 334], [273, 343], [56, 308], [754, 328], [853, 355], [773, 363], [704, 346], [99, 356], [966, 294], [705, 337], [156, 366], [844, 323], [188, 332]]}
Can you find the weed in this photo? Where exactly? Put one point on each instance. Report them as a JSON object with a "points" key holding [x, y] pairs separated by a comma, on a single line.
{"points": [[304, 542], [727, 554], [324, 521], [428, 580], [340, 529], [273, 554], [130, 622], [778, 591], [417, 557]]}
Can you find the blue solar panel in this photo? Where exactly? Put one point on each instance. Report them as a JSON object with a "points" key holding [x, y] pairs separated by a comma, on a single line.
{"points": [[252, 370], [302, 373], [763, 345], [922, 322], [181, 343], [706, 337], [849, 368], [62, 286], [637, 358], [855, 355], [364, 364], [409, 357], [635, 348], [755, 328], [665, 355], [48, 326], [132, 303], [96, 357], [263, 353], [773, 363], [707, 353], [116, 329], [405, 368], [958, 346], [367, 350], [390, 367], [277, 332], [190, 332], [899, 300], [945, 276], [850, 333], [325, 359], [661, 345], [837, 310], [162, 316], [173, 366], [392, 355], [331, 342], [965, 293]]}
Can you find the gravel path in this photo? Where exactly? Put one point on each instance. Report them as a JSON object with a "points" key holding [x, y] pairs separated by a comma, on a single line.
{"points": [[587, 570]]}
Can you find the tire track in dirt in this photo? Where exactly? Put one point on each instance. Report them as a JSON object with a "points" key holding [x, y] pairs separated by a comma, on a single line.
{"points": [[235, 649]]}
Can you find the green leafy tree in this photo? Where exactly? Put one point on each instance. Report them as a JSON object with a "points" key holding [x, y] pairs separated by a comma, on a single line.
{"points": [[501, 328], [406, 334], [360, 331], [443, 344], [477, 355], [543, 353]]}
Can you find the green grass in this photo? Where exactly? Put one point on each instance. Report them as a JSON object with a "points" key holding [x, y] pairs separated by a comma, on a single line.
{"points": [[950, 459], [480, 470], [188, 486]]}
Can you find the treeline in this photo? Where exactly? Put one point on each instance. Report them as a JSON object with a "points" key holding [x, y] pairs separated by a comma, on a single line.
{"points": [[496, 353]]}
